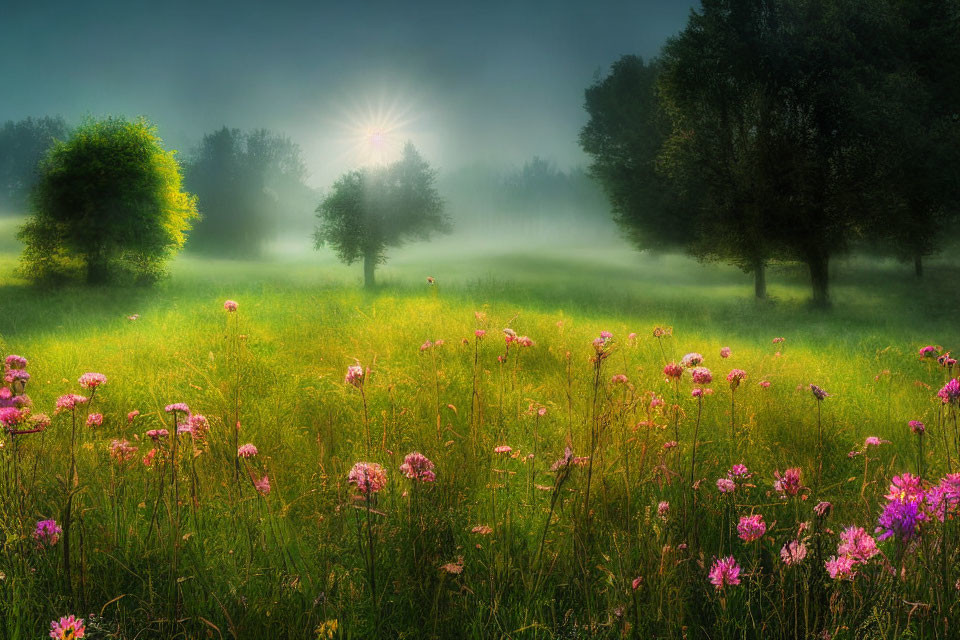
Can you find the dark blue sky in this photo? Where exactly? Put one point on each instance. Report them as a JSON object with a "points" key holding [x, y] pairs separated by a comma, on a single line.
{"points": [[467, 82]]}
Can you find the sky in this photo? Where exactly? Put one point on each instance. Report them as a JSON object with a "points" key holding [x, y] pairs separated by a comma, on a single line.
{"points": [[489, 82]]}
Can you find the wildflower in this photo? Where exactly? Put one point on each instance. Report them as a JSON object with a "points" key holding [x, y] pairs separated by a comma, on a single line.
{"points": [[632, 338], [39, 421], [901, 519], [725, 352], [663, 510], [950, 393], [10, 416], [355, 375], [619, 379], [735, 377], [92, 380], [482, 529], [509, 335], [764, 383], [426, 345], [917, 427], [15, 362], [691, 360], [524, 341], [503, 448], [823, 509], [479, 333], [751, 527], [262, 485], [944, 497], [148, 459], [793, 553], [905, 486], [673, 370], [134, 317], [67, 628], [47, 533], [16, 375], [454, 568], [874, 441], [133, 414], [369, 477], [659, 332], [230, 306], [122, 451], [430, 280], [929, 351], [841, 567], [789, 483], [94, 419], [724, 572], [739, 471], [156, 434], [636, 582], [656, 401], [856, 543], [669, 445], [701, 375], [818, 392], [246, 451], [198, 425], [726, 485], [417, 466], [779, 340], [69, 402], [177, 406]]}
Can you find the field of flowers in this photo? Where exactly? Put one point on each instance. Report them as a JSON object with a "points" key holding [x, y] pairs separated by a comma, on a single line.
{"points": [[251, 453]]}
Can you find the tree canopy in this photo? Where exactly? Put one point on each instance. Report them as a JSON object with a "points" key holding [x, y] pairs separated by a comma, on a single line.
{"points": [[22, 145], [371, 209], [109, 201]]}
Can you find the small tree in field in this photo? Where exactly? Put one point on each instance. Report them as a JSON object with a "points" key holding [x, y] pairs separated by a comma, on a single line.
{"points": [[108, 201], [371, 209]]}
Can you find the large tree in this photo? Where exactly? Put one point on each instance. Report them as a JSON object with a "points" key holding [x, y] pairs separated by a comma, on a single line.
{"points": [[245, 182], [108, 200], [371, 209], [22, 145]]}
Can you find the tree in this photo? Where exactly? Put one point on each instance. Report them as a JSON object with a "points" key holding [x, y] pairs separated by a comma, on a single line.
{"points": [[244, 183], [22, 145], [108, 201], [371, 209], [625, 136]]}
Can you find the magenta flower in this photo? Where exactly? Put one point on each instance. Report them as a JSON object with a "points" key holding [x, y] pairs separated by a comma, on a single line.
{"points": [[10, 416], [735, 377], [856, 543], [944, 498], [751, 527], [479, 333], [739, 472], [917, 427], [503, 448], [246, 451], [929, 351], [841, 567], [262, 485], [69, 402], [92, 380], [726, 485], [725, 352], [673, 370], [788, 484], [950, 392], [94, 419], [793, 553], [355, 375], [779, 340], [691, 360], [701, 375], [823, 509], [417, 466], [524, 341], [724, 572], [15, 362], [230, 306], [177, 406], [16, 375], [47, 533], [874, 441], [669, 445], [369, 477], [156, 434], [67, 628]]}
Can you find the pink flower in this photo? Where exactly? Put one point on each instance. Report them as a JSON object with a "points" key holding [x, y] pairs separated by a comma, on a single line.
{"points": [[369, 477], [479, 333], [779, 340], [724, 572], [789, 483], [197, 425], [701, 375], [133, 414], [636, 583], [156, 434], [950, 392], [823, 509], [793, 553], [751, 527], [417, 466], [669, 445], [16, 375], [47, 533], [874, 441], [735, 377], [504, 448], [691, 360], [92, 380], [739, 471], [917, 427], [764, 383], [426, 345], [524, 341], [177, 406], [725, 352], [15, 362], [841, 567], [230, 306], [355, 375], [619, 379], [94, 419], [663, 509], [632, 337], [67, 628], [929, 351], [263, 485], [509, 335], [857, 544], [68, 402], [482, 529], [10, 416], [673, 370], [726, 485], [122, 451], [246, 451]]}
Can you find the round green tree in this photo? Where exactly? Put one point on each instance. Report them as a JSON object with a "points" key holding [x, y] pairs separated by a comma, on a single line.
{"points": [[109, 202]]}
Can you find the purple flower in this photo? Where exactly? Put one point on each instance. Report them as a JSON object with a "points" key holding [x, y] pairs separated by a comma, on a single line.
{"points": [[818, 392], [900, 519]]}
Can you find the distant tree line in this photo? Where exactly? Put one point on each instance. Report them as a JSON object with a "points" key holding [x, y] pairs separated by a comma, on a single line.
{"points": [[787, 130], [23, 145]]}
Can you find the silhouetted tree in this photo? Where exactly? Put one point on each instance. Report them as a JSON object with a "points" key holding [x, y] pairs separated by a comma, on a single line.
{"points": [[109, 200], [22, 145], [371, 209], [244, 183]]}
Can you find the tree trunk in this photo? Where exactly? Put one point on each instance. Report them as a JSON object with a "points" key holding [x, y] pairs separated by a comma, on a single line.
{"points": [[918, 265], [369, 264], [820, 279], [760, 280]]}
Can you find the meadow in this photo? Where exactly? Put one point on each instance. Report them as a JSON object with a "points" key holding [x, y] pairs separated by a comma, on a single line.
{"points": [[573, 488]]}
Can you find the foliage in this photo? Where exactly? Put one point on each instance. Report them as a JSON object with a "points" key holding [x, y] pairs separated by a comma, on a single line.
{"points": [[248, 185], [371, 209], [22, 145], [109, 201]]}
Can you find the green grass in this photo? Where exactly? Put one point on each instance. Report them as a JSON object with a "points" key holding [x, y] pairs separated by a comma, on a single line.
{"points": [[278, 566]]}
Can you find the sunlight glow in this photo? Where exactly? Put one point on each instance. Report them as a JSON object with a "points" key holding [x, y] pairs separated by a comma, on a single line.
{"points": [[375, 131]]}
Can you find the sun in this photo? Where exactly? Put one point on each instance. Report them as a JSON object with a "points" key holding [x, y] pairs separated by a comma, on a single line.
{"points": [[374, 131]]}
